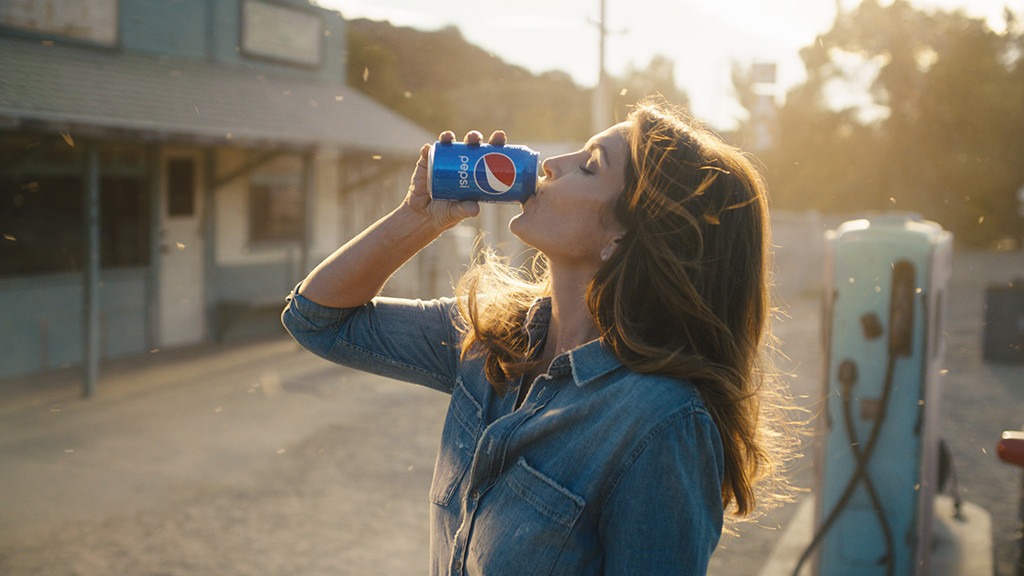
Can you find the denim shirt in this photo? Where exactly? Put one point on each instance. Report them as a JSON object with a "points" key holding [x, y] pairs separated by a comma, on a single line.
{"points": [[600, 471]]}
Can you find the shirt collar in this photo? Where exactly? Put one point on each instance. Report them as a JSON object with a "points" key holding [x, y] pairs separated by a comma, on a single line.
{"points": [[585, 363], [591, 361]]}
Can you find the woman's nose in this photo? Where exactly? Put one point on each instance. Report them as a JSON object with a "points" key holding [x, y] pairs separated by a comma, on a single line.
{"points": [[546, 168], [555, 166]]}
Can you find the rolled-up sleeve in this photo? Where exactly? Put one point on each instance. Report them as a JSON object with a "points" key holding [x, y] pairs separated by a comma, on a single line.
{"points": [[665, 513], [411, 340]]}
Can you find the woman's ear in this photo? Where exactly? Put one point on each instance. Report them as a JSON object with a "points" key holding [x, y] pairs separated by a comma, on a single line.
{"points": [[609, 248]]}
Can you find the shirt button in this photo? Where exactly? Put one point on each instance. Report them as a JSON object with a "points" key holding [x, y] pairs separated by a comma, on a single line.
{"points": [[474, 495], [457, 566]]}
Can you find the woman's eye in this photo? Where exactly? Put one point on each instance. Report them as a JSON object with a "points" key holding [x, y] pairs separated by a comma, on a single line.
{"points": [[585, 170]]}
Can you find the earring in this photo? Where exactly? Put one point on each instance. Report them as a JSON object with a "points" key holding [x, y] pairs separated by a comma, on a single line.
{"points": [[609, 249]]}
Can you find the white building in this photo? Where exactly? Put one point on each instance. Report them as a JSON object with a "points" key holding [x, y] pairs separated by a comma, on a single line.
{"points": [[170, 169]]}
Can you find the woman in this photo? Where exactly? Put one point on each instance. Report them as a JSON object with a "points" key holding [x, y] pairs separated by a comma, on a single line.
{"points": [[608, 408]]}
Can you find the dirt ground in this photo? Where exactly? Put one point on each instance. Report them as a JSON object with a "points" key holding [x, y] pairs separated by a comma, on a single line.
{"points": [[259, 459]]}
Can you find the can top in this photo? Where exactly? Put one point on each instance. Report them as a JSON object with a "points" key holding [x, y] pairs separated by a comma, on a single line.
{"points": [[486, 146]]}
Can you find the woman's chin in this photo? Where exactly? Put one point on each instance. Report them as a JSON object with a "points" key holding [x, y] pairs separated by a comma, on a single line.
{"points": [[518, 227], [515, 226]]}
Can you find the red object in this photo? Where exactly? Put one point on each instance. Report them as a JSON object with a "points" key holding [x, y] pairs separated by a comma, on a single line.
{"points": [[1011, 447]]}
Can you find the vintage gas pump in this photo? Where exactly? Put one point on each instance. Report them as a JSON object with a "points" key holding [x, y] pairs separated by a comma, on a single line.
{"points": [[878, 460]]}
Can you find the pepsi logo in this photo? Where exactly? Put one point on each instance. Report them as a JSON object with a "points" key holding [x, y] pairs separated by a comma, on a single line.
{"points": [[495, 173]]}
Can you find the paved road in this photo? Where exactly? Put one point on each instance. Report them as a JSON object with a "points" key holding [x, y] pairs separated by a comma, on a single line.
{"points": [[258, 459], [261, 459]]}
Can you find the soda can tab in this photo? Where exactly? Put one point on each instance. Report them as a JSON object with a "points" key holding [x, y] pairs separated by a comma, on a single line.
{"points": [[481, 172]]}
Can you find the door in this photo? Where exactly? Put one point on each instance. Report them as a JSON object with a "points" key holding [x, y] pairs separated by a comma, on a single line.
{"points": [[181, 300]]}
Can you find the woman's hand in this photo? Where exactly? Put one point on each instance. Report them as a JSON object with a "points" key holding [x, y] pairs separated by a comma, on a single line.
{"points": [[444, 213], [357, 271]]}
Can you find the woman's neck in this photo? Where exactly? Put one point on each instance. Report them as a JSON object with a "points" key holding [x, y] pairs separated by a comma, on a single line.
{"points": [[571, 323]]}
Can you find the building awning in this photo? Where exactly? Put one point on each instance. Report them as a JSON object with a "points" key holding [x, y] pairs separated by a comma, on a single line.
{"points": [[97, 91]]}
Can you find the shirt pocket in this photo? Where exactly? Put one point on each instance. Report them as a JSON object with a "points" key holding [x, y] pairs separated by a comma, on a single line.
{"points": [[526, 511], [459, 436]]}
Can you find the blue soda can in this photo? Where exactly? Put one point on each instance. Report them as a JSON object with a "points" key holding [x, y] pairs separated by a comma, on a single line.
{"points": [[481, 172]]}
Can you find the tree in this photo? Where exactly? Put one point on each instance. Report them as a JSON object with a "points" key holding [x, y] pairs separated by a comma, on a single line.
{"points": [[658, 78], [973, 132], [442, 82], [936, 130]]}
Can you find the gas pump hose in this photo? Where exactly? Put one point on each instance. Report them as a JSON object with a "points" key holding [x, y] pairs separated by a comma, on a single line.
{"points": [[848, 377]]}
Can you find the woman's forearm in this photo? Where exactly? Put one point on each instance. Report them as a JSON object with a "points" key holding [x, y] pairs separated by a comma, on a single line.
{"points": [[357, 271]]}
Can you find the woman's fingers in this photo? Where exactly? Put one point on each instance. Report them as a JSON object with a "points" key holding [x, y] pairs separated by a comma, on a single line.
{"points": [[497, 138]]}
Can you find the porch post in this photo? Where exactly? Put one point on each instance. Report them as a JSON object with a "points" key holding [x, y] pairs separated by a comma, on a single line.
{"points": [[154, 174], [209, 227], [91, 276], [309, 193]]}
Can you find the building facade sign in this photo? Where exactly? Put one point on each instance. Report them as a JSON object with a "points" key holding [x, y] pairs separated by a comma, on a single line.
{"points": [[89, 20], [281, 33]]}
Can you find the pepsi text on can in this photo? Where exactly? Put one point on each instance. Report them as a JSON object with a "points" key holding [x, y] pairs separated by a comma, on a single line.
{"points": [[481, 172]]}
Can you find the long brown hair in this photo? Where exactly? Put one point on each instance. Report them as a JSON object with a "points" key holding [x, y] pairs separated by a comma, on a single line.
{"points": [[686, 294]]}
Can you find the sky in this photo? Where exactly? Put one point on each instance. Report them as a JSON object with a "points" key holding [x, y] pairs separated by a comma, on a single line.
{"points": [[703, 38]]}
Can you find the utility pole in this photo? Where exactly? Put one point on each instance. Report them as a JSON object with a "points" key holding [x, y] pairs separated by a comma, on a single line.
{"points": [[600, 117], [92, 350]]}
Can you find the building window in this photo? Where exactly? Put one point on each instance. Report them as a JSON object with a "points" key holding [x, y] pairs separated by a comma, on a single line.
{"points": [[124, 222], [281, 33], [278, 213], [43, 224], [181, 187], [42, 221], [93, 21]]}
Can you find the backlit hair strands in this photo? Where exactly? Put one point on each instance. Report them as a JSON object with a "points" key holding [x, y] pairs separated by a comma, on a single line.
{"points": [[685, 294]]}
